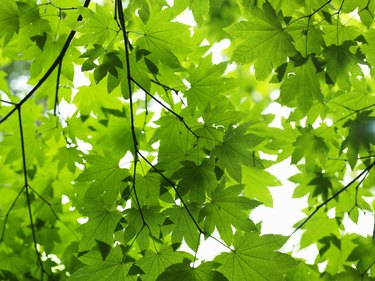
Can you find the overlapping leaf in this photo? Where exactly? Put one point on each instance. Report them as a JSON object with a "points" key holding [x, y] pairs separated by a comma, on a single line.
{"points": [[266, 42], [255, 258], [234, 151], [106, 177], [227, 208]]}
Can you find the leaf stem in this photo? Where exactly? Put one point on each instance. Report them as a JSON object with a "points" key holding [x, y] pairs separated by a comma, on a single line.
{"points": [[129, 81]]}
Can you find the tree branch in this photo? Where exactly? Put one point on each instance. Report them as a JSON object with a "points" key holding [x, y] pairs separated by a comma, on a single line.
{"points": [[49, 71], [368, 168]]}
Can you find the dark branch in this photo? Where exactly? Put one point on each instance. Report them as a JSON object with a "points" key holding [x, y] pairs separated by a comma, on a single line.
{"points": [[129, 81], [57, 89], [179, 117], [49, 71], [368, 168]]}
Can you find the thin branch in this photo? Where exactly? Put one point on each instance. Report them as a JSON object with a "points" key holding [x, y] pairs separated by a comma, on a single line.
{"points": [[179, 117], [26, 186], [57, 89], [8, 212], [166, 87], [337, 22], [368, 168], [129, 81], [8, 102], [175, 189], [309, 15], [368, 268], [53, 211], [346, 116], [49, 71]]}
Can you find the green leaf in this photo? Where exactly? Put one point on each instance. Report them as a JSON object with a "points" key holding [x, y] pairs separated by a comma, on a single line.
{"points": [[68, 156], [207, 84], [153, 264], [302, 86], [9, 20], [98, 26], [197, 180], [184, 226], [113, 268], [341, 63], [364, 252], [255, 258], [100, 226], [148, 188], [234, 150], [164, 38], [303, 272], [309, 146], [227, 208], [106, 177], [104, 249], [361, 136], [257, 183], [184, 272], [266, 42]]}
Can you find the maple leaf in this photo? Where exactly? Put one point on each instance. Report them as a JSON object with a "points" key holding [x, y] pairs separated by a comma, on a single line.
{"points": [[9, 19], [197, 180], [206, 84], [106, 177], [310, 146], [136, 222], [341, 63], [98, 27], [200, 8], [227, 208], [183, 226], [257, 183], [364, 252], [302, 86], [368, 48], [108, 65], [266, 42], [234, 151], [184, 272], [361, 135], [153, 264], [255, 258], [148, 188], [115, 267], [174, 141], [68, 156], [163, 38], [100, 226]]}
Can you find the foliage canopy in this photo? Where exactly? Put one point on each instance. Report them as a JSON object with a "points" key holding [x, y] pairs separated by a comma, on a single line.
{"points": [[131, 145]]}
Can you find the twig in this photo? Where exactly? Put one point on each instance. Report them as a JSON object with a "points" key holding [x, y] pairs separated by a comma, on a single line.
{"points": [[49, 71], [26, 187], [129, 81], [57, 89], [8, 212], [8, 102], [368, 268], [53, 211], [368, 168], [309, 15], [175, 189], [179, 117]]}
